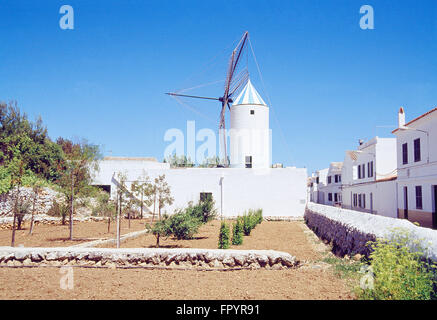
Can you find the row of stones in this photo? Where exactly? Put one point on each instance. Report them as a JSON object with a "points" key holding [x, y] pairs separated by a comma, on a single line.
{"points": [[180, 260]]}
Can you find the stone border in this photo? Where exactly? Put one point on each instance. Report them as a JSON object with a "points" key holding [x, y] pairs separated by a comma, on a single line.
{"points": [[95, 243], [350, 230], [214, 259]]}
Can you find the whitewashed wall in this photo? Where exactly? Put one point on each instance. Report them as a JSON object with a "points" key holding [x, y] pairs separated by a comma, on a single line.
{"points": [[379, 226], [280, 192], [384, 197]]}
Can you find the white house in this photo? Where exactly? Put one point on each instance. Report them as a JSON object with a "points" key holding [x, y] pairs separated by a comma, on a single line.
{"points": [[318, 181], [417, 168], [369, 177], [249, 183], [331, 185]]}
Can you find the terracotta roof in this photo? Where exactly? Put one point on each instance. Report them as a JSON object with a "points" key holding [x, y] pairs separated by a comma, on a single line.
{"points": [[414, 120]]}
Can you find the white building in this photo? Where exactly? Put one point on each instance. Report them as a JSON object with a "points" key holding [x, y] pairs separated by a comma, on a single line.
{"points": [[331, 185], [318, 182], [369, 177], [250, 183], [417, 168], [250, 138]]}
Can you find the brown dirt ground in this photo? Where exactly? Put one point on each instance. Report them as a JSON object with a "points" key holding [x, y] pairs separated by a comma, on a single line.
{"points": [[269, 235], [57, 235], [44, 283], [306, 282]]}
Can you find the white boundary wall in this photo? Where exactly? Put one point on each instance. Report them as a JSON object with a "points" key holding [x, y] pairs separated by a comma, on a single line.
{"points": [[280, 192], [379, 226]]}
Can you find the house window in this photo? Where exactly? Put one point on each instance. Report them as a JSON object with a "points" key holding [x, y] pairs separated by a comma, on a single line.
{"points": [[359, 171], [204, 196], [370, 169], [364, 201], [417, 150], [405, 153], [359, 200], [252, 111], [336, 197], [355, 200], [336, 178], [419, 197], [317, 180], [329, 179], [248, 161], [329, 196], [363, 167]]}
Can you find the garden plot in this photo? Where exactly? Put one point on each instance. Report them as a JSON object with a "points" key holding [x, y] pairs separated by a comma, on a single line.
{"points": [[57, 235]]}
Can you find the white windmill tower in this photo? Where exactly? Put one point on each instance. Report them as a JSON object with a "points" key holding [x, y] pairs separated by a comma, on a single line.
{"points": [[250, 136], [249, 133]]}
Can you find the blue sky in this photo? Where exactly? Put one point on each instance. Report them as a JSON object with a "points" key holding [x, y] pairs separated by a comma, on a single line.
{"points": [[330, 83]]}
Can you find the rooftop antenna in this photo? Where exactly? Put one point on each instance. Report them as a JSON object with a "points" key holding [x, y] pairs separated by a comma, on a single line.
{"points": [[234, 82]]}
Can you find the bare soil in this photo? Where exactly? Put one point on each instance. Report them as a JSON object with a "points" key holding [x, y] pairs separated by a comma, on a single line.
{"points": [[58, 235], [283, 236], [313, 280], [44, 283]]}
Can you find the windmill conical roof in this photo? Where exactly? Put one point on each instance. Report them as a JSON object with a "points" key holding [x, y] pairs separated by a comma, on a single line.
{"points": [[249, 95]]}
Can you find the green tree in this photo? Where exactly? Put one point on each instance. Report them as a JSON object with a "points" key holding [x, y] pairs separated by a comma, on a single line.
{"points": [[76, 176], [143, 188], [224, 236], [162, 193], [237, 233]]}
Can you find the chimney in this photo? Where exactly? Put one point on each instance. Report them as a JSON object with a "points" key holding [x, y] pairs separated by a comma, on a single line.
{"points": [[401, 118], [360, 142]]}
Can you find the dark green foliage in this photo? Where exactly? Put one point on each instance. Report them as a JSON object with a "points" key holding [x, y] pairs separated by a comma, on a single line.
{"points": [[29, 141], [223, 242], [183, 225], [237, 232], [160, 229], [250, 220], [203, 210]]}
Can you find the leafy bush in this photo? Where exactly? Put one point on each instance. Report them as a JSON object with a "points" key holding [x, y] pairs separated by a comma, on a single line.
{"points": [[250, 220], [223, 242], [399, 270], [203, 210], [183, 225], [160, 229], [237, 232]]}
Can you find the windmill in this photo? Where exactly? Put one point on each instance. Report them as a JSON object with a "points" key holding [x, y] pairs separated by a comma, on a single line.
{"points": [[233, 83]]}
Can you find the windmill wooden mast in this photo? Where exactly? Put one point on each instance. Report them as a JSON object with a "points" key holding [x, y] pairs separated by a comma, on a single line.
{"points": [[232, 84]]}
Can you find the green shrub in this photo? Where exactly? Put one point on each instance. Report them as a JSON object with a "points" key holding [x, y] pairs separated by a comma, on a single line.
{"points": [[203, 210], [223, 242], [183, 225], [237, 233], [399, 271], [160, 229]]}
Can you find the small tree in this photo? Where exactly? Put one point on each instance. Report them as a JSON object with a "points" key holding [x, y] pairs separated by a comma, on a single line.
{"points": [[77, 171], [160, 229], [143, 188], [105, 207], [36, 190], [162, 193], [223, 242], [17, 171], [237, 233]]}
